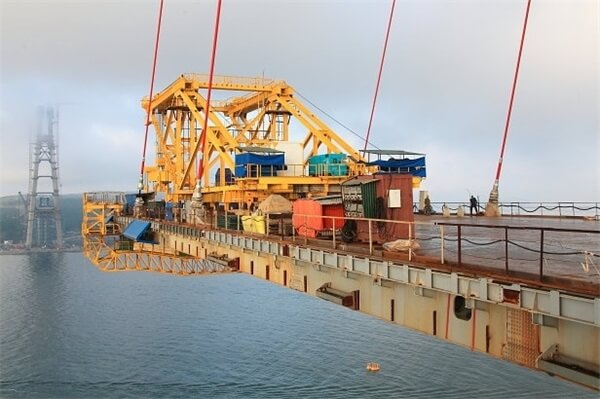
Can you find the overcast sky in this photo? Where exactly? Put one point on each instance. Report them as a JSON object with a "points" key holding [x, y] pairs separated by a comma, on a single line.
{"points": [[444, 91]]}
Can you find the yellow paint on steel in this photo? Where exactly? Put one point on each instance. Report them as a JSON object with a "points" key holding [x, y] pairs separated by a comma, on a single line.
{"points": [[259, 117], [98, 224]]}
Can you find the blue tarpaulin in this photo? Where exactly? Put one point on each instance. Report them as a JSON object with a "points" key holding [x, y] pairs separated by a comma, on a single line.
{"points": [[136, 229], [415, 167], [256, 159], [256, 165]]}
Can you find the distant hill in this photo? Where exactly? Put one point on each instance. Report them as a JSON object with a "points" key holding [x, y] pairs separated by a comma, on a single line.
{"points": [[13, 219]]}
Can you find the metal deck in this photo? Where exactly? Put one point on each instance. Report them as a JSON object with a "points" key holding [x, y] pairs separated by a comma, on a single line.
{"points": [[551, 252], [541, 252]]}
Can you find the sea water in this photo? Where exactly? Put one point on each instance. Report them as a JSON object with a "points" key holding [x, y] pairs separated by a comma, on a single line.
{"points": [[70, 330]]}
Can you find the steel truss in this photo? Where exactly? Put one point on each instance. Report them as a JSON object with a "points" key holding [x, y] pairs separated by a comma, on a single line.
{"points": [[261, 117], [99, 229]]}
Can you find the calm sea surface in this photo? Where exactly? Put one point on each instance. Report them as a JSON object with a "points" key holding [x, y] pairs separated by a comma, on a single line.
{"points": [[69, 330]]}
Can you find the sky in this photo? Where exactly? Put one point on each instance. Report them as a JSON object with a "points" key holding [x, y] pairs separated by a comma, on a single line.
{"points": [[444, 91]]}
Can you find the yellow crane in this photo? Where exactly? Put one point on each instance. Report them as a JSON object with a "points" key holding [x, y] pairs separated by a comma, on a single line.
{"points": [[258, 119]]}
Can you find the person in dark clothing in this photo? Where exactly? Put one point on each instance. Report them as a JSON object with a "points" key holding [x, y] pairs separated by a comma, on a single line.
{"points": [[473, 205]]}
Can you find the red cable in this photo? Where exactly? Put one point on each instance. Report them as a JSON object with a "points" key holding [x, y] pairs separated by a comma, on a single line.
{"points": [[210, 81], [512, 94], [160, 11], [387, 35]]}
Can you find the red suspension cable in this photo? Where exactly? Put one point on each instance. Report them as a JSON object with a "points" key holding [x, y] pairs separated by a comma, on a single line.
{"points": [[387, 35], [512, 95], [202, 161], [160, 12]]}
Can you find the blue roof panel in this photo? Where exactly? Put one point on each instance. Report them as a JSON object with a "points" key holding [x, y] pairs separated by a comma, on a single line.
{"points": [[136, 229]]}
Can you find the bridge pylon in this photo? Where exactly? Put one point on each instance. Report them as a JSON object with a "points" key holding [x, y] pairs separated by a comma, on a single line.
{"points": [[43, 205]]}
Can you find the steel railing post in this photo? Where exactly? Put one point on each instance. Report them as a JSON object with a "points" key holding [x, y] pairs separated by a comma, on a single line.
{"points": [[506, 249], [541, 254], [559, 209], [459, 246], [442, 244], [333, 232], [410, 241], [370, 239]]}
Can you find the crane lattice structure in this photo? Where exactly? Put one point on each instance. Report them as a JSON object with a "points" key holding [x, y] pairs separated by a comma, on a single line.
{"points": [[43, 207], [259, 118]]}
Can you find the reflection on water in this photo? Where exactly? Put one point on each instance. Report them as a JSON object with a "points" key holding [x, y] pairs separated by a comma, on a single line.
{"points": [[69, 330]]}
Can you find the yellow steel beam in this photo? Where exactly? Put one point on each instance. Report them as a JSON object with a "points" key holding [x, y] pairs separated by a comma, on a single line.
{"points": [[214, 141], [324, 133], [259, 118], [246, 104], [235, 83]]}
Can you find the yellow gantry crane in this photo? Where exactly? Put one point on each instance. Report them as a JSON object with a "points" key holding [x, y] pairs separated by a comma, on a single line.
{"points": [[259, 119]]}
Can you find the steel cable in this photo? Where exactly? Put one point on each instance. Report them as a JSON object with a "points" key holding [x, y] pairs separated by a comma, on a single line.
{"points": [[385, 44], [333, 118], [149, 110], [202, 161]]}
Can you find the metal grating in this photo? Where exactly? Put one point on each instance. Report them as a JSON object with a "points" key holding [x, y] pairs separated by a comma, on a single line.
{"points": [[522, 338]]}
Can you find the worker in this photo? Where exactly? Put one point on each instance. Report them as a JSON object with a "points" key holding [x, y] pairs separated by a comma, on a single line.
{"points": [[474, 205], [428, 209]]}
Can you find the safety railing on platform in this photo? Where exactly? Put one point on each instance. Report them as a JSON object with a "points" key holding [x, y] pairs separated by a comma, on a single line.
{"points": [[254, 171], [538, 251], [531, 252], [104, 197], [233, 82], [221, 80], [522, 208]]}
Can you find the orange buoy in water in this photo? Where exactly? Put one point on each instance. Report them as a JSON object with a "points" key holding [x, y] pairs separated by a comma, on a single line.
{"points": [[373, 367]]}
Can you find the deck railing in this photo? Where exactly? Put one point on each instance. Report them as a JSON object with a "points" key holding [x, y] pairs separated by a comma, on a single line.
{"points": [[533, 252], [501, 249], [525, 208], [254, 171], [526, 249]]}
